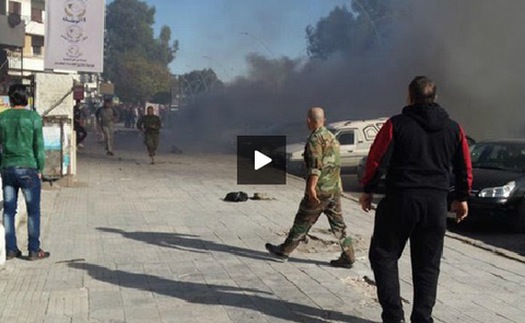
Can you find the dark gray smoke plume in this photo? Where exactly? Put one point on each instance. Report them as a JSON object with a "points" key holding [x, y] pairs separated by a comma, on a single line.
{"points": [[473, 49]]}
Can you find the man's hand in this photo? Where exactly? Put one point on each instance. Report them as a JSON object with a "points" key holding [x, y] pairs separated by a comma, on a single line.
{"points": [[312, 196], [366, 201], [461, 210], [311, 185], [40, 176]]}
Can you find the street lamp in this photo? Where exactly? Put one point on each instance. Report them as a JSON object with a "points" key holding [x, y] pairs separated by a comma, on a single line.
{"points": [[218, 63]]}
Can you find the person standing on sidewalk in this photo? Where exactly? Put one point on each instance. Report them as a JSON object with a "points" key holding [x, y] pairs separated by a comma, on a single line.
{"points": [[150, 125], [322, 195], [106, 117], [78, 121], [22, 163], [417, 148]]}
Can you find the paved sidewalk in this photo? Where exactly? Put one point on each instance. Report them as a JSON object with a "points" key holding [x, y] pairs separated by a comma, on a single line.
{"points": [[133, 242]]}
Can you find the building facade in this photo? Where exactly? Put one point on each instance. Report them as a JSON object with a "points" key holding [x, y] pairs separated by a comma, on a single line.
{"points": [[22, 50], [28, 59]]}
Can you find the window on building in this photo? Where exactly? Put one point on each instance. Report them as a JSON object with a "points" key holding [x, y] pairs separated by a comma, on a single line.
{"points": [[37, 42], [15, 7], [36, 15]]}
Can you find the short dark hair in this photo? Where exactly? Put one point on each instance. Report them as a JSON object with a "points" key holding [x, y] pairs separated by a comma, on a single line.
{"points": [[18, 95], [422, 90]]}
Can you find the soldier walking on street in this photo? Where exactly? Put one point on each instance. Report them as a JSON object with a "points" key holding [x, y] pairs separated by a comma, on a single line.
{"points": [[106, 117], [150, 125], [322, 194]]}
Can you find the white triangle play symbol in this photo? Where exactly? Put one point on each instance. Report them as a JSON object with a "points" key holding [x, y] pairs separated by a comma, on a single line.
{"points": [[260, 160]]}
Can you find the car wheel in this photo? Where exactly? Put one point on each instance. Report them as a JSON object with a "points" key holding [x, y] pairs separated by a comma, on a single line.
{"points": [[519, 224]]}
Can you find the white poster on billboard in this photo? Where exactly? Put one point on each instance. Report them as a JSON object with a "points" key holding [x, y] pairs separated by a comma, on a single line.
{"points": [[75, 35]]}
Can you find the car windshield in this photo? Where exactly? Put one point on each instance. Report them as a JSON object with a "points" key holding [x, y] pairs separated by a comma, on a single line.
{"points": [[505, 156]]}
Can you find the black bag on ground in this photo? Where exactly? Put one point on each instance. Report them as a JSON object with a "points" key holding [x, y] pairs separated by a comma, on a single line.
{"points": [[236, 197]]}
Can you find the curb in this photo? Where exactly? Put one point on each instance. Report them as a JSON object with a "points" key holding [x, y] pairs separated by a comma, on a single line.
{"points": [[476, 243]]}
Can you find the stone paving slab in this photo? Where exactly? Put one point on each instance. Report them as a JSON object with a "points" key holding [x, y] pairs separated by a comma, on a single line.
{"points": [[133, 242]]}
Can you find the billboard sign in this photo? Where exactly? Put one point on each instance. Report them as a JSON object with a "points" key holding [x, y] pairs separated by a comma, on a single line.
{"points": [[75, 35]]}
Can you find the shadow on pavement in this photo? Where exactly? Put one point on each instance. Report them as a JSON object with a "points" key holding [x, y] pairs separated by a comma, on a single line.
{"points": [[494, 234], [211, 294], [187, 242]]}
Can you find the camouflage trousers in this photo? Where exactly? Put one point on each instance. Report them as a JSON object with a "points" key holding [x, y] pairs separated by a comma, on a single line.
{"points": [[108, 131], [151, 140], [308, 214]]}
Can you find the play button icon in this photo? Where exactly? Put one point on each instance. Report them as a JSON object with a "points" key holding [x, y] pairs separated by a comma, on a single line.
{"points": [[260, 160]]}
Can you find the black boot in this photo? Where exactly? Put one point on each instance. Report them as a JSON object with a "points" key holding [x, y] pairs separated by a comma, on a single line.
{"points": [[342, 262], [276, 251]]}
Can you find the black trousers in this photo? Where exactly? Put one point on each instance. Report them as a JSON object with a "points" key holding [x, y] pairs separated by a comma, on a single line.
{"points": [[81, 133], [418, 215]]}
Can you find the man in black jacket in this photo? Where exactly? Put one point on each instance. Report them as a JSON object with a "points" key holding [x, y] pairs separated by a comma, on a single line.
{"points": [[417, 148]]}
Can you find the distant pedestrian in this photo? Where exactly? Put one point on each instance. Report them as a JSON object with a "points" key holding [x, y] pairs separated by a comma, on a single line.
{"points": [[106, 117], [322, 195], [418, 148], [150, 125], [78, 124], [126, 114], [134, 114], [22, 164]]}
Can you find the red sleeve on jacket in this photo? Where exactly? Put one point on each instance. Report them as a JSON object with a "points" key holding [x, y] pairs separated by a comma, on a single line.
{"points": [[466, 158], [377, 152], [463, 168]]}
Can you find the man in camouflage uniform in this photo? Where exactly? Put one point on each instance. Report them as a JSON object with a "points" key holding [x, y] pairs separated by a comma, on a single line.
{"points": [[322, 195], [106, 118], [150, 125]]}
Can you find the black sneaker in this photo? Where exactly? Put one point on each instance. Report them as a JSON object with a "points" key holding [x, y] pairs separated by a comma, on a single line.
{"points": [[341, 262], [37, 255], [276, 251], [10, 254], [110, 153]]}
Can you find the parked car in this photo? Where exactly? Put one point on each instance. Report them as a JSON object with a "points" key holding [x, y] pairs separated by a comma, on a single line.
{"points": [[498, 189], [355, 138]]}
